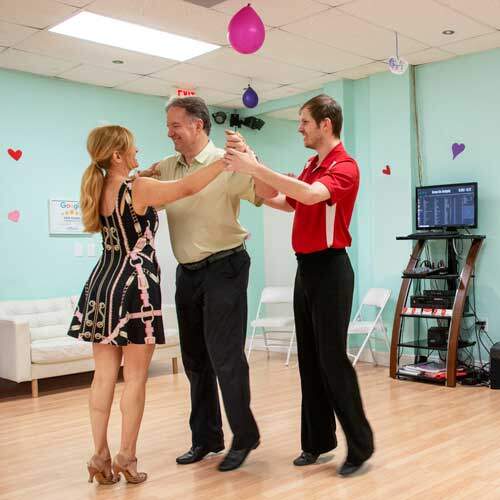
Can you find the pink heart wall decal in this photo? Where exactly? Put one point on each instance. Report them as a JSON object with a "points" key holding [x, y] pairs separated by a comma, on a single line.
{"points": [[14, 216]]}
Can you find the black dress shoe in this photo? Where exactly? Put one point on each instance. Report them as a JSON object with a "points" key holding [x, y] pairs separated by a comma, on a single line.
{"points": [[235, 458], [195, 454], [349, 468], [305, 458]]}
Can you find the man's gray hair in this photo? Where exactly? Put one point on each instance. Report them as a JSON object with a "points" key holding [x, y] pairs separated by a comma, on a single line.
{"points": [[195, 107]]}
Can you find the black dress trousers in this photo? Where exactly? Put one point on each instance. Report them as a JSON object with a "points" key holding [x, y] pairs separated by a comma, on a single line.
{"points": [[212, 315], [324, 286]]}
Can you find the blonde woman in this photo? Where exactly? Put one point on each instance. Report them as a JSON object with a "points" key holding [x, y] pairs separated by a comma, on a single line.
{"points": [[119, 310]]}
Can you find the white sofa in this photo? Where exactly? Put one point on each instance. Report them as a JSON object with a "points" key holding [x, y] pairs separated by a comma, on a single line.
{"points": [[34, 343]]}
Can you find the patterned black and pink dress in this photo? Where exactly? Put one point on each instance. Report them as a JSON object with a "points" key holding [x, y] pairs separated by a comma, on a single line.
{"points": [[121, 301]]}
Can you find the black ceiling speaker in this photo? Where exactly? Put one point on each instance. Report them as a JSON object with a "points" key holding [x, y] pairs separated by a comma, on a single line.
{"points": [[234, 120], [219, 117], [253, 122]]}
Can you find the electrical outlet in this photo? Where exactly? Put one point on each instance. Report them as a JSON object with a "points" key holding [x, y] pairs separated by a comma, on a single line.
{"points": [[90, 249], [483, 324], [78, 250]]}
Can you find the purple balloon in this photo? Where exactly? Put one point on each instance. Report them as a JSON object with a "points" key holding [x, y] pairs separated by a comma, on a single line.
{"points": [[246, 32], [250, 98]]}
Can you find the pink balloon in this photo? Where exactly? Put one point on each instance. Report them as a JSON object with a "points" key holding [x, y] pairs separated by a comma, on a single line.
{"points": [[246, 32]]}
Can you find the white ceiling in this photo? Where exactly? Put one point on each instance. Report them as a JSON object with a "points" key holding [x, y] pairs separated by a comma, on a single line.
{"points": [[308, 42], [291, 113]]}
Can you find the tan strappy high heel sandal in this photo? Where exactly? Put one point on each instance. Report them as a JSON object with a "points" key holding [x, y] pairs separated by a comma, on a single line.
{"points": [[122, 464], [97, 468]]}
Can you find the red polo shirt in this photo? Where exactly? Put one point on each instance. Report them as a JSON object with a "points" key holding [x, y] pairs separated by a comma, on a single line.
{"points": [[326, 224]]}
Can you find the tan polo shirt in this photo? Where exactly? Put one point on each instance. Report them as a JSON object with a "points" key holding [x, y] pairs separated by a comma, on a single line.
{"points": [[206, 222]]}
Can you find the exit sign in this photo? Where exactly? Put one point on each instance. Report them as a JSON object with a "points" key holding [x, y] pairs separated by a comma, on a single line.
{"points": [[185, 92]]}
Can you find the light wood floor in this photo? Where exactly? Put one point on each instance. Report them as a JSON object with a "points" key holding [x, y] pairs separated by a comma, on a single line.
{"points": [[432, 442]]}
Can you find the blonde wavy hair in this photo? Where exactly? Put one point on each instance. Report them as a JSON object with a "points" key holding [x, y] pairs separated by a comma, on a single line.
{"points": [[102, 142]]}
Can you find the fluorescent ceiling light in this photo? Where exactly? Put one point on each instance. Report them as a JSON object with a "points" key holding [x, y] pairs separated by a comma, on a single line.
{"points": [[109, 31]]}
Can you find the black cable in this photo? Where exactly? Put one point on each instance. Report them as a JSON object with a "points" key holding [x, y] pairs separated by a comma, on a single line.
{"points": [[469, 361], [489, 338], [479, 347], [485, 347], [480, 375], [479, 338]]}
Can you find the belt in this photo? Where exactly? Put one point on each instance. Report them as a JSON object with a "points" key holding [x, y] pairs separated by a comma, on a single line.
{"points": [[304, 257], [194, 266]]}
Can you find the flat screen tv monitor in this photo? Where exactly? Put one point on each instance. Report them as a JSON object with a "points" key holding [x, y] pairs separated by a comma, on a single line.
{"points": [[447, 206]]}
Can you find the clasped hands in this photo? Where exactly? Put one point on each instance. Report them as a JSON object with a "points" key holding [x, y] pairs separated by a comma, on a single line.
{"points": [[239, 157]]}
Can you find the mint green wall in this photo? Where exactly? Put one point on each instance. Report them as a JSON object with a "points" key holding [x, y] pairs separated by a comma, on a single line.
{"points": [[49, 119], [359, 113], [382, 123], [343, 92], [458, 102], [279, 145]]}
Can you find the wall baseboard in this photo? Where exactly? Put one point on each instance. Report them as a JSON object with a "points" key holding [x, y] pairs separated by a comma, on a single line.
{"points": [[382, 357]]}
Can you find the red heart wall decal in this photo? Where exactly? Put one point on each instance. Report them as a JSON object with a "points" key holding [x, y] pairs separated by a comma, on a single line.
{"points": [[387, 170], [16, 154]]}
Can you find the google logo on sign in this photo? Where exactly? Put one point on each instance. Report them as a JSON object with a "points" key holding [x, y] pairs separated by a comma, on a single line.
{"points": [[66, 204]]}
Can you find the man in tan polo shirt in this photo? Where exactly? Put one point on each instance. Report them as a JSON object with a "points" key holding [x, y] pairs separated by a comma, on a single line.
{"points": [[211, 285]]}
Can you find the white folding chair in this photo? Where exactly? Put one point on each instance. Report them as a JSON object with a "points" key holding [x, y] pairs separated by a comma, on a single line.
{"points": [[375, 297], [274, 295]]}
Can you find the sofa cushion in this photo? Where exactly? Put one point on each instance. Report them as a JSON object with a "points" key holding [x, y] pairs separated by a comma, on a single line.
{"points": [[56, 330], [47, 318], [59, 350], [62, 349]]}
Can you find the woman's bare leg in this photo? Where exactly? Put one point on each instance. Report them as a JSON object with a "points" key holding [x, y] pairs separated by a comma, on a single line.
{"points": [[137, 358], [107, 365]]}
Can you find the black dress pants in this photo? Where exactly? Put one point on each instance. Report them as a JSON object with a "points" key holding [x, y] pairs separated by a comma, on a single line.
{"points": [[324, 287], [212, 314]]}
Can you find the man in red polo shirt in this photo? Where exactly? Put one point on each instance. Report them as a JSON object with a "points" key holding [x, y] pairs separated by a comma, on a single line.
{"points": [[323, 199]]}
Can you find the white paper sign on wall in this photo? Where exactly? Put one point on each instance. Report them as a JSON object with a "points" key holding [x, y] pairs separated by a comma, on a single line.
{"points": [[65, 217]]}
